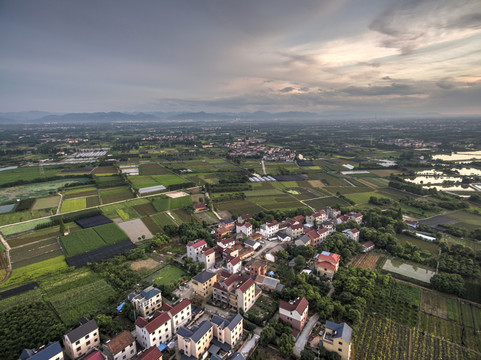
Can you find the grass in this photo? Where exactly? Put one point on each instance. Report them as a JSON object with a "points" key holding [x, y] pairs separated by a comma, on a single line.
{"points": [[117, 194], [27, 174], [361, 198], [79, 189], [14, 229], [142, 181], [32, 272], [14, 217], [325, 202], [168, 275], [162, 219], [166, 203], [151, 225], [110, 233], [46, 203], [423, 245], [237, 207], [73, 205]]}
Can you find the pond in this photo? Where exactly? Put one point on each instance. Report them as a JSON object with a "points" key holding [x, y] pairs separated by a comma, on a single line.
{"points": [[460, 156], [414, 272]]}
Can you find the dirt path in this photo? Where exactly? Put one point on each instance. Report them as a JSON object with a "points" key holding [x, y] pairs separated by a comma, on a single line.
{"points": [[7, 257]]}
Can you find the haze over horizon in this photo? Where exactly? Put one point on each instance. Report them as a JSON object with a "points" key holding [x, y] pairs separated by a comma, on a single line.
{"points": [[218, 56]]}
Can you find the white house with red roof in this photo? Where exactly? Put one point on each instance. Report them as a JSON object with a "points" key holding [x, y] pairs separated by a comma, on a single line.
{"points": [[225, 244], [356, 216], [269, 229], [342, 219], [236, 291], [327, 263], [351, 234], [294, 312], [195, 248], [319, 216], [234, 265], [368, 246], [207, 257], [245, 228], [295, 230], [242, 218], [333, 213]]}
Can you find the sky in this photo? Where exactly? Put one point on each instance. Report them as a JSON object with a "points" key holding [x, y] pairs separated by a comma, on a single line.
{"points": [[399, 56]]}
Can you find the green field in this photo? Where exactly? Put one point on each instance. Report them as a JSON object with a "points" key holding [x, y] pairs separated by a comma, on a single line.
{"points": [[237, 207], [169, 275], [46, 202], [92, 238], [79, 189], [361, 198], [14, 217], [167, 203], [13, 229], [117, 194], [112, 212], [73, 205], [422, 244], [37, 251], [325, 202], [162, 219], [141, 181], [32, 272], [27, 174]]}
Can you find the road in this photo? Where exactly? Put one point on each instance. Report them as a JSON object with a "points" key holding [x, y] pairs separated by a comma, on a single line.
{"points": [[304, 335], [249, 345]]}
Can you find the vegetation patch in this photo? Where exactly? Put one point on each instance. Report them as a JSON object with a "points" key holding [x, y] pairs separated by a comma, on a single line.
{"points": [[46, 202], [169, 275], [73, 205]]}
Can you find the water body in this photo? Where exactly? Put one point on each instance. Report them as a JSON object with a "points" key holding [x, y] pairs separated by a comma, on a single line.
{"points": [[414, 272], [460, 156]]}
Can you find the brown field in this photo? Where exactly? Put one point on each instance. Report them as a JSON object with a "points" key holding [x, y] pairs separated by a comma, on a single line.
{"points": [[81, 194], [366, 261], [316, 183], [105, 170], [432, 303], [145, 209], [144, 264]]}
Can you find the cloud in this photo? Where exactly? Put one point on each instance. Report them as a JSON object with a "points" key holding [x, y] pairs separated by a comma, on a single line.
{"points": [[287, 89], [393, 89], [445, 84]]}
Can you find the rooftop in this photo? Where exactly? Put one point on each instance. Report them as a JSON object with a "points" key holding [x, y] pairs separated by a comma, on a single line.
{"points": [[298, 305], [196, 244], [120, 342], [197, 332], [150, 292], [342, 330], [86, 328]]}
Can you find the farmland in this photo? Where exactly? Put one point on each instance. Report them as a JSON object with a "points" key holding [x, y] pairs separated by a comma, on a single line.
{"points": [[166, 203], [116, 194], [27, 174], [366, 261], [162, 219], [73, 205], [141, 181], [46, 202], [168, 275]]}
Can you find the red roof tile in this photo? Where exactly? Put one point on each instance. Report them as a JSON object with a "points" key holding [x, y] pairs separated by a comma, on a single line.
{"points": [[235, 261], [94, 355], [152, 353], [322, 231], [354, 231], [158, 320], [246, 285], [196, 244], [332, 258], [245, 217], [296, 226], [272, 223], [120, 342], [326, 264], [209, 251], [298, 305], [179, 307], [368, 244]]}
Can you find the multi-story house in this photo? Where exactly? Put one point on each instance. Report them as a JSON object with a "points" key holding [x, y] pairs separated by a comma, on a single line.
{"points": [[203, 283], [342, 219], [225, 244], [221, 232], [228, 331], [121, 347], [82, 340], [256, 267], [234, 265], [337, 338], [357, 217], [237, 292], [323, 234], [351, 234], [295, 230], [53, 351], [195, 248], [147, 302], [180, 313], [318, 217], [333, 213], [195, 342], [294, 312], [207, 257], [155, 331], [242, 218], [245, 228], [327, 263], [152, 353], [269, 229], [246, 253], [368, 246]]}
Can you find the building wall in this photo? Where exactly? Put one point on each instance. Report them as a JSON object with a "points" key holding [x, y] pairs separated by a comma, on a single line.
{"points": [[247, 299], [160, 335], [83, 345], [147, 307], [129, 351], [182, 318], [339, 346], [204, 289], [195, 349]]}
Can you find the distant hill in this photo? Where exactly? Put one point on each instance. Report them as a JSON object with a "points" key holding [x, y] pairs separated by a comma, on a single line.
{"points": [[98, 116]]}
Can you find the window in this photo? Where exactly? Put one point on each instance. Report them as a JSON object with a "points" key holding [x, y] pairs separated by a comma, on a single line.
{"points": [[78, 349], [125, 356], [86, 336], [340, 350], [340, 343], [88, 342], [77, 342], [95, 333]]}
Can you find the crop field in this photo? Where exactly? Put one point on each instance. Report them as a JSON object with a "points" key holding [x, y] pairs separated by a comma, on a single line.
{"points": [[324, 202], [107, 181], [13, 229], [442, 328], [73, 205], [168, 275], [141, 181], [14, 217], [361, 198], [46, 202], [401, 342], [181, 216], [422, 244], [111, 211], [153, 169], [35, 252], [208, 217], [166, 203], [117, 194], [82, 293], [366, 261], [104, 170], [145, 209], [20, 299], [80, 190], [26, 174], [32, 272], [434, 303], [237, 207], [92, 238], [151, 225], [398, 301], [162, 219]]}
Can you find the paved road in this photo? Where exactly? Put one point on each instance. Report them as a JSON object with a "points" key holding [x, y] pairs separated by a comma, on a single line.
{"points": [[249, 345], [304, 336]]}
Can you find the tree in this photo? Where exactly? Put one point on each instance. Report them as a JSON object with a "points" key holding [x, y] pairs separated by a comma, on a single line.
{"points": [[308, 355], [300, 262], [268, 335], [449, 283], [286, 344]]}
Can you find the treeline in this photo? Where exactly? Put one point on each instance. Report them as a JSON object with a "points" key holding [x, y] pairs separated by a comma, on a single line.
{"points": [[231, 196], [228, 187], [459, 259], [41, 179], [58, 219]]}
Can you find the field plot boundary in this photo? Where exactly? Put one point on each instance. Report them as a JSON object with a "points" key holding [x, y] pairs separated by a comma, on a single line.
{"points": [[99, 254]]}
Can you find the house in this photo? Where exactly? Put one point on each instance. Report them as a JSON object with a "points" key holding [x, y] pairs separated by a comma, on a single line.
{"points": [[227, 224], [200, 207], [269, 229], [207, 257], [224, 244], [152, 353], [327, 263], [329, 225], [295, 230], [294, 312], [368, 246], [333, 213], [267, 282], [232, 252], [351, 234], [228, 331], [242, 218], [245, 253], [155, 331], [149, 300], [121, 347], [356, 216], [256, 267], [323, 234], [245, 228], [195, 342], [203, 283], [94, 355], [318, 217], [234, 265], [195, 248], [342, 219], [412, 224], [256, 236], [314, 237], [282, 236], [252, 243], [304, 240], [81, 340], [237, 292], [337, 338], [53, 351], [221, 232]]}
